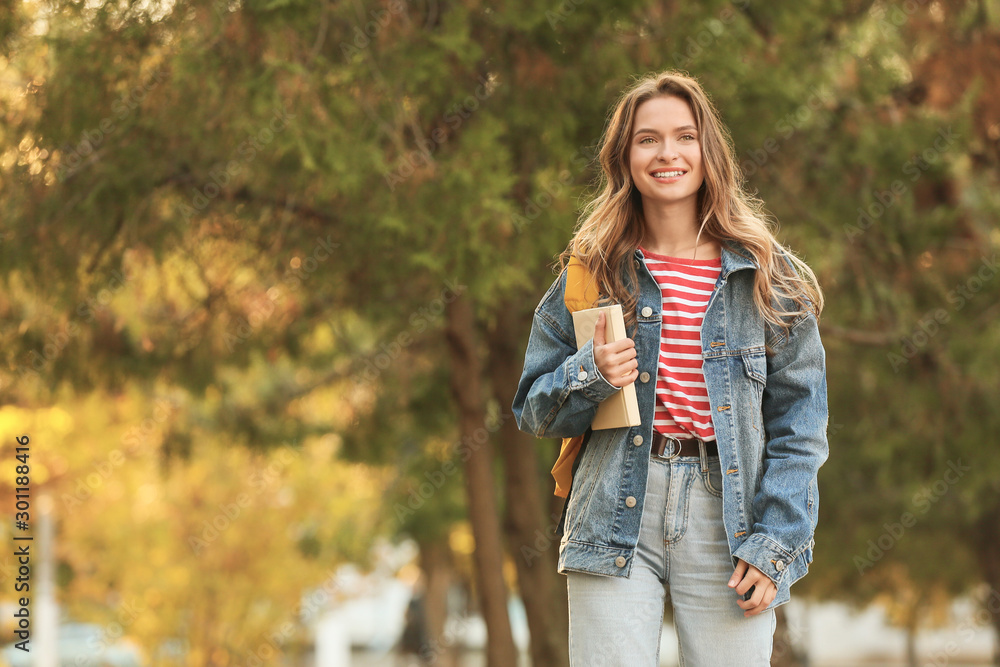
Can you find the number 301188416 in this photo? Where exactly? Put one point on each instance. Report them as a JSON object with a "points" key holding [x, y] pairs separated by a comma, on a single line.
{"points": [[23, 480]]}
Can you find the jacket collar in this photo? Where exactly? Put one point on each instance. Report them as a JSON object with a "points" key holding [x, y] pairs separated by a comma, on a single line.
{"points": [[735, 256]]}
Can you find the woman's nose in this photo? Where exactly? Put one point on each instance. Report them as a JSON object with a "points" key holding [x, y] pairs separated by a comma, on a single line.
{"points": [[667, 151]]}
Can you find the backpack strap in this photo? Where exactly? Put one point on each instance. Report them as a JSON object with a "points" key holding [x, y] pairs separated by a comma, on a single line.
{"points": [[581, 293], [581, 290], [562, 471]]}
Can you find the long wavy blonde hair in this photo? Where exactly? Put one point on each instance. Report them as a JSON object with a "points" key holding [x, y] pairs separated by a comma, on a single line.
{"points": [[611, 224]]}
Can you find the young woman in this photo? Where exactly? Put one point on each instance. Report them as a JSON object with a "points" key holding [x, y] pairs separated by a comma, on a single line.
{"points": [[714, 496]]}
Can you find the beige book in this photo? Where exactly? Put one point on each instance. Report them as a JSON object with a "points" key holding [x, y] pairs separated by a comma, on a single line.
{"points": [[620, 408]]}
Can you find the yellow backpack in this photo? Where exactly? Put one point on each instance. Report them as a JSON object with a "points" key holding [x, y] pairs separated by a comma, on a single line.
{"points": [[581, 294]]}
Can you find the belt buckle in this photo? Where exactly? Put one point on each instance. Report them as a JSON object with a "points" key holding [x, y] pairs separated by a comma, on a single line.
{"points": [[675, 448]]}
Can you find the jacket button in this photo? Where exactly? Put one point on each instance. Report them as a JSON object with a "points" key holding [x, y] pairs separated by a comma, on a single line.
{"points": [[581, 376], [637, 440], [644, 377], [779, 566], [647, 311], [620, 561], [630, 501]]}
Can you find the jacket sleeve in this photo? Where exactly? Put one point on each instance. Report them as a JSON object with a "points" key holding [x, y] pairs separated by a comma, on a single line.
{"points": [[795, 416], [560, 386]]}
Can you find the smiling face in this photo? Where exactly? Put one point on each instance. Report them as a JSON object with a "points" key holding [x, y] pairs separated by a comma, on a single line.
{"points": [[665, 139]]}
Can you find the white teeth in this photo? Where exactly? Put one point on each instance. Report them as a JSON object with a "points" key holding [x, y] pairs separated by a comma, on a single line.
{"points": [[667, 174]]}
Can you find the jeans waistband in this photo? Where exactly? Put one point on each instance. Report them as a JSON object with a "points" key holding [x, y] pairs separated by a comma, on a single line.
{"points": [[668, 448]]}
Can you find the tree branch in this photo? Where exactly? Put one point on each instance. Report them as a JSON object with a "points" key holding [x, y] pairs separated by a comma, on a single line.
{"points": [[871, 338], [100, 251]]}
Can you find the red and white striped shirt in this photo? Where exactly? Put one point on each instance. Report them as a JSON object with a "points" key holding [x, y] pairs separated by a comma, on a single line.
{"points": [[682, 408]]}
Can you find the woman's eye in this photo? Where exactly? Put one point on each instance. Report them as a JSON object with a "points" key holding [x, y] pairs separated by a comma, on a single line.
{"points": [[644, 139], [687, 136]]}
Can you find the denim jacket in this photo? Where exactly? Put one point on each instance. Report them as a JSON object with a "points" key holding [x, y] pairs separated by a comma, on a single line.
{"points": [[769, 412]]}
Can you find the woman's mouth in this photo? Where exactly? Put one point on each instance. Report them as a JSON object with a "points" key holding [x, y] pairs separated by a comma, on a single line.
{"points": [[667, 175]]}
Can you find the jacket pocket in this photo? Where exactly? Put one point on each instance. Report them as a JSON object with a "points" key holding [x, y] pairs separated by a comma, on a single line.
{"points": [[590, 463], [755, 364], [755, 367]]}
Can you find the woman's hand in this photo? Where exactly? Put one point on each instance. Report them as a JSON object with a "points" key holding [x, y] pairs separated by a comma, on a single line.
{"points": [[616, 361], [746, 575]]}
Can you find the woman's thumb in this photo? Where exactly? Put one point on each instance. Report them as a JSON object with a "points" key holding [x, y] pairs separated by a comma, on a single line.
{"points": [[599, 329]]}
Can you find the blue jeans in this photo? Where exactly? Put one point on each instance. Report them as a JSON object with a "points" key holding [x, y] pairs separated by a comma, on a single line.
{"points": [[682, 545]]}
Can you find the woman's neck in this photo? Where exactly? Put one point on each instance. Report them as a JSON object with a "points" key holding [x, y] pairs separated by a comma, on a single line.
{"points": [[671, 229], [678, 243]]}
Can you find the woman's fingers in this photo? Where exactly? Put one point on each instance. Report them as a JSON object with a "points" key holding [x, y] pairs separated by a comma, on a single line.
{"points": [[619, 375], [616, 361]]}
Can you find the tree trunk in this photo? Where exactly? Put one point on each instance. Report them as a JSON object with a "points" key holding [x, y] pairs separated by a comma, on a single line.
{"points": [[528, 527], [911, 645], [988, 553], [476, 451], [435, 561]]}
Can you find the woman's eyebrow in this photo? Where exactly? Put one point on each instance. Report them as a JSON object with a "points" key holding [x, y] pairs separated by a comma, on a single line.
{"points": [[677, 129]]}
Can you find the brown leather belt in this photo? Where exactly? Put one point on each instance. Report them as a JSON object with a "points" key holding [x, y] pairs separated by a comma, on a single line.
{"points": [[668, 447]]}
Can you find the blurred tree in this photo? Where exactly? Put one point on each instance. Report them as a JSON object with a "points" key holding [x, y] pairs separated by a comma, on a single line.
{"points": [[213, 555]]}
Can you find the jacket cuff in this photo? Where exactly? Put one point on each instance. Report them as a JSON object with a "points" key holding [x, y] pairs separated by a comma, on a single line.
{"points": [[585, 376], [766, 555]]}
